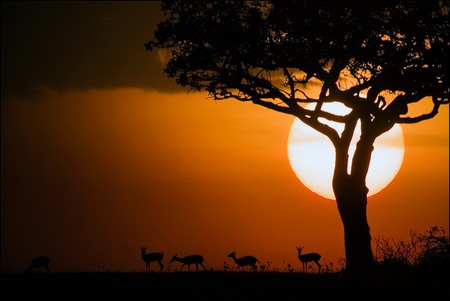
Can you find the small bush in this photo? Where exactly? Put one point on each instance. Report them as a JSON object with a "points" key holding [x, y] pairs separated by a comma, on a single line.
{"points": [[431, 249], [435, 248]]}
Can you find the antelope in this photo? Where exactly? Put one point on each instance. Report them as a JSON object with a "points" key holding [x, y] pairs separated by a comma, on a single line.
{"points": [[244, 261], [151, 257], [188, 260], [308, 258], [37, 263]]}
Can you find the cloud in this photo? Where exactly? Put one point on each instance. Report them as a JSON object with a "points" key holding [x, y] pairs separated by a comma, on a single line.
{"points": [[79, 45]]}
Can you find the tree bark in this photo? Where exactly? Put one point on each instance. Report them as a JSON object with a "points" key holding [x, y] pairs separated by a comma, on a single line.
{"points": [[351, 198], [358, 250]]}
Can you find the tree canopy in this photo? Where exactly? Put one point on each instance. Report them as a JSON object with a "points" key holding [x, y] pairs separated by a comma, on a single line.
{"points": [[376, 57]]}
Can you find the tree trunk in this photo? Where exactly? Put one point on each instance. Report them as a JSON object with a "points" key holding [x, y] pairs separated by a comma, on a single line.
{"points": [[358, 249], [351, 198]]}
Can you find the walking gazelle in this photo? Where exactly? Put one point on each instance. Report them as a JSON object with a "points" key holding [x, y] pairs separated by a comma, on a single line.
{"points": [[242, 262], [188, 260]]}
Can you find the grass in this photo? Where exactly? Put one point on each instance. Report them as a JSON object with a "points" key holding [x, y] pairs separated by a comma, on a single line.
{"points": [[222, 286]]}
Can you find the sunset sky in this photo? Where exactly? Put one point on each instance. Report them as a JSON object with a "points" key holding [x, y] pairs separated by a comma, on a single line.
{"points": [[101, 154]]}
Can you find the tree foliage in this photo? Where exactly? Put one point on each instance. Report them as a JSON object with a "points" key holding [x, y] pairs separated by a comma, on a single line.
{"points": [[376, 57]]}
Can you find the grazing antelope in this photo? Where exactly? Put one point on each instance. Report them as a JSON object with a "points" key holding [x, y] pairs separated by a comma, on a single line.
{"points": [[37, 263], [150, 257], [244, 261], [188, 260], [308, 258]]}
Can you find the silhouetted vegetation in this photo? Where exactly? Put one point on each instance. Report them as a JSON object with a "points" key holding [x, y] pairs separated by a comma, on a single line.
{"points": [[377, 58], [426, 251]]}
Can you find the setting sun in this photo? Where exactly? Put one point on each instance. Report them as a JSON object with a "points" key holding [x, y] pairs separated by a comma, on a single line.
{"points": [[311, 155]]}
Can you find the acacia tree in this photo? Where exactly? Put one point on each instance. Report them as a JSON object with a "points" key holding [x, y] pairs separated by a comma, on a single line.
{"points": [[377, 58]]}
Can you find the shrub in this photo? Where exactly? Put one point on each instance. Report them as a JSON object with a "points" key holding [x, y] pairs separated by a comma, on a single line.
{"points": [[431, 249]]}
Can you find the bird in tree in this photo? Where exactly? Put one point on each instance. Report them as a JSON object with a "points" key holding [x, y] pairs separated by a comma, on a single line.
{"points": [[377, 58]]}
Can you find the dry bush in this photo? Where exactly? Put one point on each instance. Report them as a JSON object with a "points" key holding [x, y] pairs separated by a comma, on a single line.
{"points": [[429, 249]]}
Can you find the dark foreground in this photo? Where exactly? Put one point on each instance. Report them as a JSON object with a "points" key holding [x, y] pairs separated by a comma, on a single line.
{"points": [[221, 286]]}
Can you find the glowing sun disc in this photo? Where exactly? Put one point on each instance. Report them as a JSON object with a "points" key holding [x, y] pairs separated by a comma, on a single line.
{"points": [[312, 155]]}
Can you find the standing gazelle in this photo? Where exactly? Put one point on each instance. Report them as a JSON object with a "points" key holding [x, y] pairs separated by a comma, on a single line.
{"points": [[308, 258], [151, 257], [244, 261], [188, 260]]}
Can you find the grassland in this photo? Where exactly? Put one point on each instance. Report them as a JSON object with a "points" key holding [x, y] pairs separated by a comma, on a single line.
{"points": [[222, 286]]}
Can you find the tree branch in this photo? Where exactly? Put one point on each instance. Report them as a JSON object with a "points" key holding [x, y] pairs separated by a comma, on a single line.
{"points": [[426, 116]]}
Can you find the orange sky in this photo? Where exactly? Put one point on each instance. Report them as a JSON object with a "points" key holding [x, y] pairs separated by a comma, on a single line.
{"points": [[91, 172], [89, 177]]}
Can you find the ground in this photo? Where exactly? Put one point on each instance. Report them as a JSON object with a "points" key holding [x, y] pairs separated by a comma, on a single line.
{"points": [[221, 286]]}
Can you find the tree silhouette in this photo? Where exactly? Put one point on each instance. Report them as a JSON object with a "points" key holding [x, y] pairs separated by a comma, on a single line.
{"points": [[377, 58]]}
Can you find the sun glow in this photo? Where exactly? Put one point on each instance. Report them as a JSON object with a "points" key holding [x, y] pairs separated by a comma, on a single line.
{"points": [[312, 155]]}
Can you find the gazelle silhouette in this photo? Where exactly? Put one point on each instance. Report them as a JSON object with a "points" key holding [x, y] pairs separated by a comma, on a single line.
{"points": [[244, 261], [37, 263], [188, 260], [308, 258], [151, 257]]}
